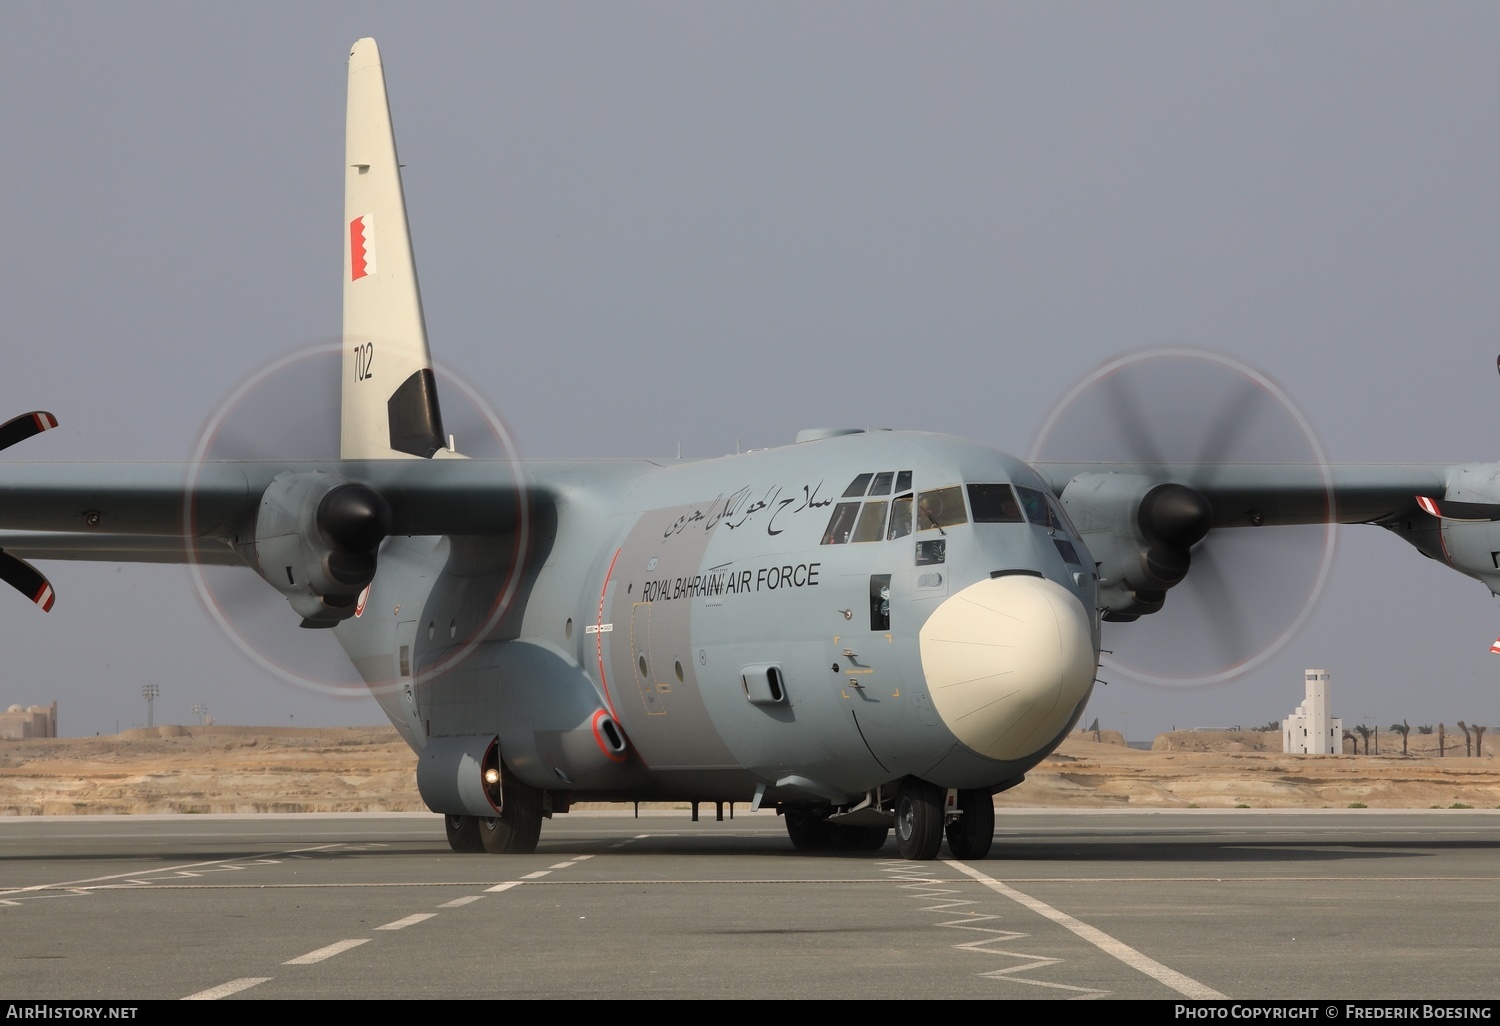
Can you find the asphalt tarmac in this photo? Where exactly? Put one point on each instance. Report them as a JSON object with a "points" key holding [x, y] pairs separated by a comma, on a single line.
{"points": [[1164, 905]]}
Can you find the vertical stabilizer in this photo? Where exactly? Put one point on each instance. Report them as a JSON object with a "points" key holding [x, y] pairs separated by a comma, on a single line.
{"points": [[390, 404]]}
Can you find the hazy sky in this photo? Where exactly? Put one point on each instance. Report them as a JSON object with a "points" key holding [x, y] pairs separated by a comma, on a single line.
{"points": [[639, 225]]}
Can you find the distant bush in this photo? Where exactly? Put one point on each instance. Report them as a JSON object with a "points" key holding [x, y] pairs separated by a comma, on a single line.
{"points": [[1358, 805]]}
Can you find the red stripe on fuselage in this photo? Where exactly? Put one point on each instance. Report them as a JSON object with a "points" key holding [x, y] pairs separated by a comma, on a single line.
{"points": [[599, 636]]}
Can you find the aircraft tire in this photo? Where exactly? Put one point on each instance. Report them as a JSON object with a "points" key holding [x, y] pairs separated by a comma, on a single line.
{"points": [[463, 834], [519, 826], [807, 831], [858, 838], [919, 820], [971, 834]]}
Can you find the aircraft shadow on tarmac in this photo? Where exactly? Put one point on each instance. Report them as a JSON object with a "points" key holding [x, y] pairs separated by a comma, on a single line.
{"points": [[1013, 849]]}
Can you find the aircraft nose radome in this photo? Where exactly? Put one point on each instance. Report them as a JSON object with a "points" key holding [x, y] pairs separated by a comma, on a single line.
{"points": [[1006, 661]]}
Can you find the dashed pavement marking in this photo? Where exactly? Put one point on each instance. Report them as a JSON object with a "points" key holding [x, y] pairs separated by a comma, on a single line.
{"points": [[326, 952], [226, 989], [411, 920]]}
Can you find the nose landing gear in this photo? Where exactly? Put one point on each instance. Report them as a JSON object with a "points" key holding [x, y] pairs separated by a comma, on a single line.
{"points": [[921, 816], [919, 819], [972, 833]]}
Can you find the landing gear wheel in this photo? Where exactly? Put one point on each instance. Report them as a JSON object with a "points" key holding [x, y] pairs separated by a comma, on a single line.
{"points": [[807, 831], [919, 820], [972, 833], [858, 838], [463, 834], [519, 826]]}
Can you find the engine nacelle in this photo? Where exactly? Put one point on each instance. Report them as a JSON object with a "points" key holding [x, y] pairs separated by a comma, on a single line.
{"points": [[1470, 546], [316, 538], [1140, 533]]}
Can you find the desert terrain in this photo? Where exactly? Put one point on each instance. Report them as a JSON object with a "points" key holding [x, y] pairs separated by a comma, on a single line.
{"points": [[223, 769]]}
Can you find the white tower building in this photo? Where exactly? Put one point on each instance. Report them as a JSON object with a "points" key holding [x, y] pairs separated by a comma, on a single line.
{"points": [[1310, 730]]}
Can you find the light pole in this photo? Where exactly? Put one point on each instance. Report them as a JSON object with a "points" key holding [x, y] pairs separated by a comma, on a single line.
{"points": [[201, 711], [150, 691]]}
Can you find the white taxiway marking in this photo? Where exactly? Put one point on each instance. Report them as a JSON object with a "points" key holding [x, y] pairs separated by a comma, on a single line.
{"points": [[327, 952], [226, 989], [1184, 985], [507, 885], [411, 920], [537, 875], [134, 875], [460, 902]]}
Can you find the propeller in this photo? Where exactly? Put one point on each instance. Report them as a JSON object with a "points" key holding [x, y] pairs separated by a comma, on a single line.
{"points": [[288, 414], [18, 429], [14, 570], [26, 579], [1243, 593]]}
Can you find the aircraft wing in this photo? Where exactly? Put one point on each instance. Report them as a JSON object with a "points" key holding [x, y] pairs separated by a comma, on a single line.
{"points": [[319, 525], [1255, 494], [213, 501], [117, 548]]}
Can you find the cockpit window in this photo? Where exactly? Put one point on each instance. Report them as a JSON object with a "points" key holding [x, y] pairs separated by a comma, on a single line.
{"points": [[882, 485], [841, 523], [900, 517], [995, 504], [857, 486], [1060, 514], [942, 507], [903, 481], [871, 522], [1035, 505]]}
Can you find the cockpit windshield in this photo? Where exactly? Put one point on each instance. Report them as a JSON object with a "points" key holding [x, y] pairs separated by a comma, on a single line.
{"points": [[994, 504], [941, 507]]}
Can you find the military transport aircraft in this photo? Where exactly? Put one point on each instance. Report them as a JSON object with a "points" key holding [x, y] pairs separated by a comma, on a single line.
{"points": [[861, 630]]}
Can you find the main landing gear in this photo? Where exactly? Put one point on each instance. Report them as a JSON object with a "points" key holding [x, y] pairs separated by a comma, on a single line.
{"points": [[811, 832], [514, 832]]}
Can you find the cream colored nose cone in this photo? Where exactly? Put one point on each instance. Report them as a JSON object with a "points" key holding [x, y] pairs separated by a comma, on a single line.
{"points": [[1006, 661]]}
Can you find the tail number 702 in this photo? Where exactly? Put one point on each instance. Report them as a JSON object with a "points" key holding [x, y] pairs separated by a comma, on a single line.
{"points": [[364, 358]]}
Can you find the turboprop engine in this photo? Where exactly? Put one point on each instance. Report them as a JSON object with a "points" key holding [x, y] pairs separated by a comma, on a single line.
{"points": [[1139, 532], [316, 538], [1462, 528]]}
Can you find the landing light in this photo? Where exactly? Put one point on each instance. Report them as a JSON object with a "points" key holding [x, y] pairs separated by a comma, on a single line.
{"points": [[492, 776]]}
